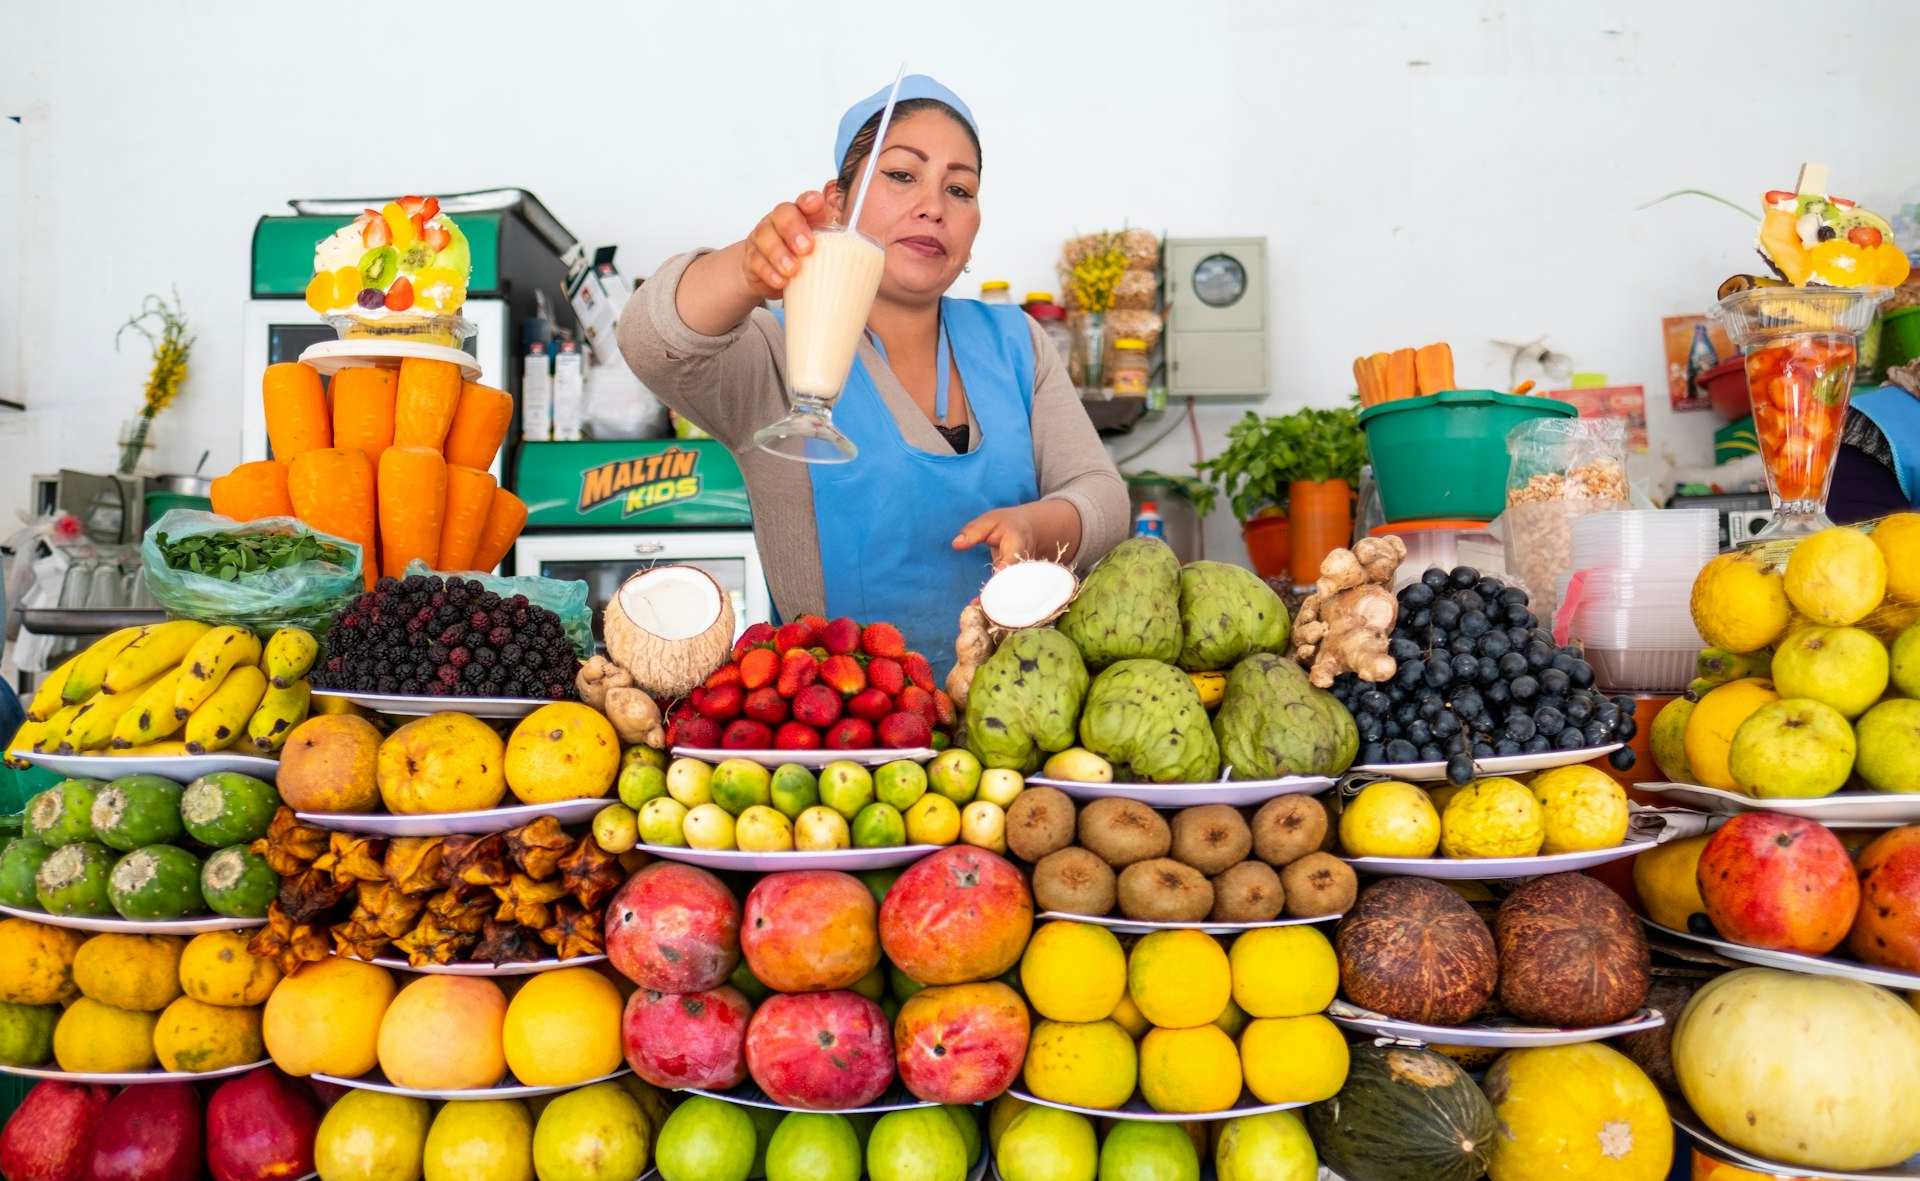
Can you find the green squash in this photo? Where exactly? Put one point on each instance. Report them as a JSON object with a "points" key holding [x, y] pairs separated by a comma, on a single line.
{"points": [[1404, 1115]]}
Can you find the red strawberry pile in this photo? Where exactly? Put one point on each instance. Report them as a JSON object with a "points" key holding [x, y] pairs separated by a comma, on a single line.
{"points": [[815, 684]]}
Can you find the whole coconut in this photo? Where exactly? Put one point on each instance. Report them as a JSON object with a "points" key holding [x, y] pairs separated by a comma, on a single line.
{"points": [[1572, 954], [1411, 948]]}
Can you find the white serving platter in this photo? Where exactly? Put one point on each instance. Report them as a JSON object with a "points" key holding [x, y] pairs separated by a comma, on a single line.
{"points": [[1689, 1120], [409, 705], [179, 768], [1481, 869], [848, 860], [1236, 792], [1498, 765], [1847, 807], [507, 1088], [132, 1078], [1126, 926], [1796, 961], [114, 924], [1490, 1034], [1136, 1108], [525, 968], [331, 356], [896, 1098], [446, 824], [813, 760]]}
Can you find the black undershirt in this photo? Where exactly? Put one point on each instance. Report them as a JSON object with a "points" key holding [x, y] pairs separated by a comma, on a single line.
{"points": [[957, 437]]}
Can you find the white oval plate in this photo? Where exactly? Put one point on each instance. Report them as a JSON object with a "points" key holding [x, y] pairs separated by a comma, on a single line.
{"points": [[849, 860], [1486, 869], [1498, 765], [409, 706], [1237, 792], [1136, 1108], [1126, 926], [1796, 961], [102, 924], [526, 968], [131, 1078], [331, 356], [179, 768], [1488, 1034], [1847, 807], [446, 824], [896, 1098], [506, 1089], [1688, 1119], [813, 760]]}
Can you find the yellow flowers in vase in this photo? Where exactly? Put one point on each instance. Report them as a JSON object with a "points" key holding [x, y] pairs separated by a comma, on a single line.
{"points": [[165, 327]]}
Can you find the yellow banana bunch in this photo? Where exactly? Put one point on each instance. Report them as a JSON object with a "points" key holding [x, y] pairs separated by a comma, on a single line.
{"points": [[152, 750], [151, 718], [51, 731], [158, 649], [47, 698], [222, 718], [90, 671], [93, 724], [290, 653], [279, 712], [208, 662]]}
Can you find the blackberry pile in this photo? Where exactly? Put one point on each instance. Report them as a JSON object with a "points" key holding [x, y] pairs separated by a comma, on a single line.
{"points": [[1478, 678], [430, 637]]}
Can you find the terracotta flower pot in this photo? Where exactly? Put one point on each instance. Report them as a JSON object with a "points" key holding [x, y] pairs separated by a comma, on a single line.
{"points": [[1322, 515], [1269, 545]]}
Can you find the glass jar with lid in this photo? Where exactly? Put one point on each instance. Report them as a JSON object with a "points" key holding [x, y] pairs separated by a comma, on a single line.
{"points": [[1130, 368], [1052, 319], [997, 291]]}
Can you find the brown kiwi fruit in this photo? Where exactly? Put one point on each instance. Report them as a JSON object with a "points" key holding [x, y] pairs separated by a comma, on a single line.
{"points": [[1039, 822], [1212, 838], [1122, 832], [1318, 884], [1073, 881], [1163, 890], [1287, 828], [1249, 892]]}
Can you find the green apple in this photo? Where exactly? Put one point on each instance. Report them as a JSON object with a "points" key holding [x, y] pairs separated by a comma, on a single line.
{"points": [[739, 784], [815, 1146], [955, 774], [920, 1144], [1906, 661], [691, 782], [1889, 740], [1844, 667], [1056, 1143], [1261, 1147], [846, 788], [900, 783], [663, 822], [1794, 748], [644, 756], [879, 826], [706, 1138], [794, 789], [1000, 785], [1143, 1148], [640, 783]]}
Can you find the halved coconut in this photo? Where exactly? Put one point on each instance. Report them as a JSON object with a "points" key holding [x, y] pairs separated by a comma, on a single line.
{"points": [[1028, 594], [670, 627]]}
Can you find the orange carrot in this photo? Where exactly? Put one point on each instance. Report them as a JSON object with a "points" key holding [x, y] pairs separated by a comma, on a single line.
{"points": [[1524, 388], [253, 490], [424, 402], [332, 491], [469, 499], [505, 518], [296, 410], [1400, 374], [363, 410], [1433, 367], [413, 501], [1377, 366], [1363, 381], [479, 425]]}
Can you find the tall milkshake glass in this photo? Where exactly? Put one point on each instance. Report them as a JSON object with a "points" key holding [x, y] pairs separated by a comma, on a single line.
{"points": [[827, 302]]}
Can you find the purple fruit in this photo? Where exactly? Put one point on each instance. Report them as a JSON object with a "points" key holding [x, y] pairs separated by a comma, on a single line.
{"points": [[371, 297]]}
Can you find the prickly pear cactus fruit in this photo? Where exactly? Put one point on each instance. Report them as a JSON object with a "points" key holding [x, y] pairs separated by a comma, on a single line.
{"points": [[1227, 613], [1129, 607], [1146, 719], [1025, 700], [1272, 722]]}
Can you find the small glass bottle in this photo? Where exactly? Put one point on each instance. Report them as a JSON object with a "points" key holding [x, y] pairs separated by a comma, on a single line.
{"points": [[1130, 368], [997, 291], [1052, 319]]}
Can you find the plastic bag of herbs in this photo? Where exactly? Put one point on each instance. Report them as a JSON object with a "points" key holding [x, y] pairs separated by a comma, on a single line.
{"points": [[265, 574]]}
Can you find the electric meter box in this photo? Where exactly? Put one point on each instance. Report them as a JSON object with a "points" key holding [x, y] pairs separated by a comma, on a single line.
{"points": [[1216, 335]]}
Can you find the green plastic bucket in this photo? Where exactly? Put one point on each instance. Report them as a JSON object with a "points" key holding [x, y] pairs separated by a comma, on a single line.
{"points": [[159, 504], [1900, 337], [1444, 456]]}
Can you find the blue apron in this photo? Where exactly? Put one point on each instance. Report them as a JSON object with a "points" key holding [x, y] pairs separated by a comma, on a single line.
{"points": [[886, 521], [1897, 414]]}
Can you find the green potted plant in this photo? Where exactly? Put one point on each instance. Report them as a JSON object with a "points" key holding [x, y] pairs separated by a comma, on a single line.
{"points": [[1290, 481]]}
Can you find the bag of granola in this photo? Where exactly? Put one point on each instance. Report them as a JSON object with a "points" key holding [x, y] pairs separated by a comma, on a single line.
{"points": [[1558, 469]]}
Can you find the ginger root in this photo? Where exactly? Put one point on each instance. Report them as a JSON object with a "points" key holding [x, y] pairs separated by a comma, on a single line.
{"points": [[1344, 624], [971, 649], [596, 677], [635, 717]]}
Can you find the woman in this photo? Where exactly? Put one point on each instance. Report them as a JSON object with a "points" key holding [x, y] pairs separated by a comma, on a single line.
{"points": [[974, 448]]}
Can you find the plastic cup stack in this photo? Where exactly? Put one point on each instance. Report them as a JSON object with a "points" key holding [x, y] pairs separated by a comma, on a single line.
{"points": [[1636, 570]]}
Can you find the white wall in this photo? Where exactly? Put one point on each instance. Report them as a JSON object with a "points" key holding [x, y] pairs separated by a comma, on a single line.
{"points": [[1424, 169]]}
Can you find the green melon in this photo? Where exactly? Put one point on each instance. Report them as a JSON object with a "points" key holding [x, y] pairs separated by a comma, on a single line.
{"points": [[138, 810], [1404, 1115]]}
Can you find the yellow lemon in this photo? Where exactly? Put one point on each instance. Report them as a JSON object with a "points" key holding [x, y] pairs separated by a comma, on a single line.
{"points": [[1283, 971], [1390, 819], [563, 1028], [1127, 1016], [96, 1037], [1836, 576], [1581, 808], [1898, 539], [933, 820], [1179, 979], [1083, 1064], [1666, 878], [1294, 1059], [1739, 604], [1074, 972], [1708, 739], [1194, 1070], [1495, 817]]}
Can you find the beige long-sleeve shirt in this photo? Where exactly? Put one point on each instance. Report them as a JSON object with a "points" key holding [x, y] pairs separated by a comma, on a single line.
{"points": [[734, 384]]}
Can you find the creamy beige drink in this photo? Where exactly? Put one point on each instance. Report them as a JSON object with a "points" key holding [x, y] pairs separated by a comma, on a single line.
{"points": [[827, 302]]}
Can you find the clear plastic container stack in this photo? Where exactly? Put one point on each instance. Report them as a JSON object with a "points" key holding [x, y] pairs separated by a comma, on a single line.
{"points": [[1627, 598]]}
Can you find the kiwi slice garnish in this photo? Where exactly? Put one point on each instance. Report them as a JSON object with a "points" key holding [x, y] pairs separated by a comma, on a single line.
{"points": [[378, 266], [418, 257]]}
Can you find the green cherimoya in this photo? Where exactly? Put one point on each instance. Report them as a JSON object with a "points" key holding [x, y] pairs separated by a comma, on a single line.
{"points": [[1025, 700], [1226, 613], [1145, 718], [1272, 722], [1129, 607]]}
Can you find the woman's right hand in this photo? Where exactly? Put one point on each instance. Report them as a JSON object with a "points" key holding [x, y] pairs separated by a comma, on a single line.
{"points": [[776, 245]]}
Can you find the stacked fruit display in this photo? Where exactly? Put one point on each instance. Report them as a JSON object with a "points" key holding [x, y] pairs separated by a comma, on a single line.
{"points": [[1566, 810], [426, 636], [175, 688], [144, 848], [1031, 1142], [708, 1138]]}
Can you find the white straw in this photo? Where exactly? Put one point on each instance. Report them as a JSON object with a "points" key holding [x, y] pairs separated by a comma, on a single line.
{"points": [[873, 156]]}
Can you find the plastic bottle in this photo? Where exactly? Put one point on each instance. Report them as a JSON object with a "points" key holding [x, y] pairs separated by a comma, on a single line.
{"points": [[996, 291], [1149, 522]]}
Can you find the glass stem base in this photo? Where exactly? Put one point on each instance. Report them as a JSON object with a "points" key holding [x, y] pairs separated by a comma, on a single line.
{"points": [[807, 433]]}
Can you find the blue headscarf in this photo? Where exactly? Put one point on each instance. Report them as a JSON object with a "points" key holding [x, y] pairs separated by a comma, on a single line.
{"points": [[912, 86]]}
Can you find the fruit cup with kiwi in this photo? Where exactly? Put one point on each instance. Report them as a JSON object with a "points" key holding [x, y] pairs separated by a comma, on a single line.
{"points": [[398, 272]]}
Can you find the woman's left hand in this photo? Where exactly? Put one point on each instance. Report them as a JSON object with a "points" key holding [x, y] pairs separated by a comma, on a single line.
{"points": [[1040, 529]]}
